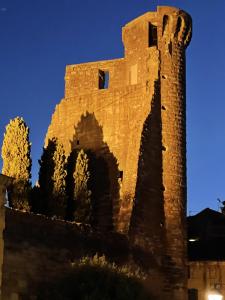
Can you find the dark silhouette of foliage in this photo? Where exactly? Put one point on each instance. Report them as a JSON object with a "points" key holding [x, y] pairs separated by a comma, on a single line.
{"points": [[45, 177], [34, 199], [71, 163], [59, 197], [52, 180], [95, 279]]}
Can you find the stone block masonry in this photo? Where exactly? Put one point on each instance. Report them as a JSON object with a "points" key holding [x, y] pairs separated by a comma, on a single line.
{"points": [[131, 113]]}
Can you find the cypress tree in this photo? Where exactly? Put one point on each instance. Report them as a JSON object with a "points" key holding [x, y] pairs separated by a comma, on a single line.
{"points": [[52, 179], [45, 181], [59, 199], [71, 162], [17, 162], [82, 195]]}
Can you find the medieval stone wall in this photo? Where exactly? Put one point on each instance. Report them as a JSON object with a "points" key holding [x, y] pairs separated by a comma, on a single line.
{"points": [[38, 251], [136, 123]]}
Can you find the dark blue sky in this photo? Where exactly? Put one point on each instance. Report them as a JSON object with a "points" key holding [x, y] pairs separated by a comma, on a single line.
{"points": [[38, 38]]}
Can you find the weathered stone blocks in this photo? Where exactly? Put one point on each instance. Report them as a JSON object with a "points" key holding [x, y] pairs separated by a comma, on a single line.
{"points": [[136, 124]]}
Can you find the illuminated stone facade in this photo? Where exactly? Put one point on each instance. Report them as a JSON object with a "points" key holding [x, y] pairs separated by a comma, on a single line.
{"points": [[206, 277], [131, 113]]}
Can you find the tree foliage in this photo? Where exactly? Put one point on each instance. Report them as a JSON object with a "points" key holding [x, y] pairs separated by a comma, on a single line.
{"points": [[17, 161], [59, 181], [82, 195], [45, 181], [52, 179], [96, 278], [71, 162]]}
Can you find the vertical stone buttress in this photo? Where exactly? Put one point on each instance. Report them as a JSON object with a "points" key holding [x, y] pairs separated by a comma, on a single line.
{"points": [[175, 36]]}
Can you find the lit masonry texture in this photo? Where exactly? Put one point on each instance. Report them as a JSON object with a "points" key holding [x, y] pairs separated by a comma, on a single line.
{"points": [[131, 113]]}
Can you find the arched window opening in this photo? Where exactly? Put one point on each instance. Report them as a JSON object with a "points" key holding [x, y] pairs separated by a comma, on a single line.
{"points": [[165, 23], [179, 23]]}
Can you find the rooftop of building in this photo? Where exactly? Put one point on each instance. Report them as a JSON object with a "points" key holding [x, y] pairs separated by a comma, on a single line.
{"points": [[206, 236]]}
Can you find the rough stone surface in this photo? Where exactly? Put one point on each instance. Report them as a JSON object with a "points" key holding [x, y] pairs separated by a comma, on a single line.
{"points": [[138, 125], [37, 250], [205, 277], [135, 124]]}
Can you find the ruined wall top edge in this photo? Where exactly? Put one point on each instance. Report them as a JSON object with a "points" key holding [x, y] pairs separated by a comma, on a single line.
{"points": [[175, 16]]}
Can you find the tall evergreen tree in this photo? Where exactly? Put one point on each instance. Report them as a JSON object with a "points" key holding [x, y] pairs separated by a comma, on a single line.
{"points": [[17, 162], [45, 181], [59, 199], [52, 179], [82, 195], [71, 162]]}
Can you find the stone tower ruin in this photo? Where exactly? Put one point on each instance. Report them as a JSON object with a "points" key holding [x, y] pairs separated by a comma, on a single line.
{"points": [[130, 113]]}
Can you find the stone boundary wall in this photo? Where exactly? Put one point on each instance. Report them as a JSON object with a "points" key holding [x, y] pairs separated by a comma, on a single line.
{"points": [[38, 249]]}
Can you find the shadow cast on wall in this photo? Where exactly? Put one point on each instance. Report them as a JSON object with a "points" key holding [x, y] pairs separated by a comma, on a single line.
{"points": [[104, 172], [147, 219]]}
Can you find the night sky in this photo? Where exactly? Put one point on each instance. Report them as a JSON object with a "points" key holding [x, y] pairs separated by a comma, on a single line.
{"points": [[38, 38]]}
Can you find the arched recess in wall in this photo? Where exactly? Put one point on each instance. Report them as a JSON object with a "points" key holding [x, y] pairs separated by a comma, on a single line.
{"points": [[178, 26], [104, 173], [165, 23]]}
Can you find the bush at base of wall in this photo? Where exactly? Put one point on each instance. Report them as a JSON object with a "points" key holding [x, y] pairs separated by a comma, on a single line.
{"points": [[95, 279]]}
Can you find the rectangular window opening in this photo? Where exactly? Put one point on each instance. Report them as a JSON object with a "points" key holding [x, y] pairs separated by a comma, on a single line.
{"points": [[152, 35], [78, 142], [192, 294], [103, 79]]}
